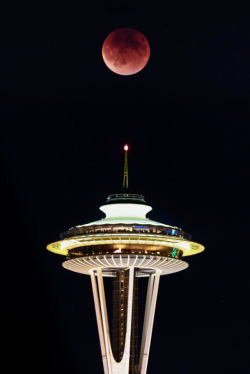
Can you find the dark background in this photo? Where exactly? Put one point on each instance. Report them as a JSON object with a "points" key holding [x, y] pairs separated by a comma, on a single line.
{"points": [[64, 120]]}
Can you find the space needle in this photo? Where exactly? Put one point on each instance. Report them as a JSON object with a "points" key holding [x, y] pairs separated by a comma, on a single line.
{"points": [[125, 245]]}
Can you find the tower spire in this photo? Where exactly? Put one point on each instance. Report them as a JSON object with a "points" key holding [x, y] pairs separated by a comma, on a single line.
{"points": [[125, 174]]}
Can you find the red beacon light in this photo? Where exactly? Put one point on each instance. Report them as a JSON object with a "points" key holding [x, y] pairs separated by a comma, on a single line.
{"points": [[126, 147]]}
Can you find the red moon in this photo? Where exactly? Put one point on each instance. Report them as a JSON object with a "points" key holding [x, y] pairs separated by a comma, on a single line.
{"points": [[125, 51]]}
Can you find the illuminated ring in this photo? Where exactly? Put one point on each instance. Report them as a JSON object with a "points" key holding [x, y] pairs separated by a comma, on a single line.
{"points": [[186, 246], [107, 263]]}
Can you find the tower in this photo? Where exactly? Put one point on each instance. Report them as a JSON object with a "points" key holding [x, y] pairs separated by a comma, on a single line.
{"points": [[125, 245]]}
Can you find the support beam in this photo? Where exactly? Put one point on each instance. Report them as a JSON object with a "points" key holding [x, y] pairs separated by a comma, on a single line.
{"points": [[146, 315], [104, 315], [149, 320], [99, 321], [126, 354]]}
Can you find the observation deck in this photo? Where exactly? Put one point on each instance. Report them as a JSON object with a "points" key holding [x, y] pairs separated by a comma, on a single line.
{"points": [[124, 238]]}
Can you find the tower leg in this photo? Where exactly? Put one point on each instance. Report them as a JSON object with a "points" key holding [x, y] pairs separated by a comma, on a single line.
{"points": [[99, 322], [153, 286], [129, 319], [109, 363]]}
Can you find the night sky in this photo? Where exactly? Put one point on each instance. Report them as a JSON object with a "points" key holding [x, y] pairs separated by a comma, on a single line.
{"points": [[64, 120]]}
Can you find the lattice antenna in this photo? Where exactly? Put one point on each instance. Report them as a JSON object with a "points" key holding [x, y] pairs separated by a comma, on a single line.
{"points": [[125, 175]]}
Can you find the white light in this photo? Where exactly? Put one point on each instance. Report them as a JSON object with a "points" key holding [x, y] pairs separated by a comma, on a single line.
{"points": [[125, 210]]}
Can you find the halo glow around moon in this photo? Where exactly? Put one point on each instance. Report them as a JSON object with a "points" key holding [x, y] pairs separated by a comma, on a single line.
{"points": [[126, 51]]}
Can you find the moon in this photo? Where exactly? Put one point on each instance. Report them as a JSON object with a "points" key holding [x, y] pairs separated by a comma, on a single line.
{"points": [[125, 51]]}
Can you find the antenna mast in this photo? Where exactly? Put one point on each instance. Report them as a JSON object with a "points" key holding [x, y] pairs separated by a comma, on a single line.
{"points": [[125, 175]]}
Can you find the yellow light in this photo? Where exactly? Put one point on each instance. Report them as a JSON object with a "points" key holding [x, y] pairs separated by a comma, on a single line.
{"points": [[188, 247]]}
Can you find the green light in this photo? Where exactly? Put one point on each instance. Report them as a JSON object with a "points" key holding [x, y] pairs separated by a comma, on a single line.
{"points": [[174, 251]]}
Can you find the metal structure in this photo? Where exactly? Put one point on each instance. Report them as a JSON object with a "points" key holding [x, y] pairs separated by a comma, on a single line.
{"points": [[125, 245], [125, 174]]}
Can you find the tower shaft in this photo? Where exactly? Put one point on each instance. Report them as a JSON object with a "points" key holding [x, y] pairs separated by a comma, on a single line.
{"points": [[120, 297]]}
